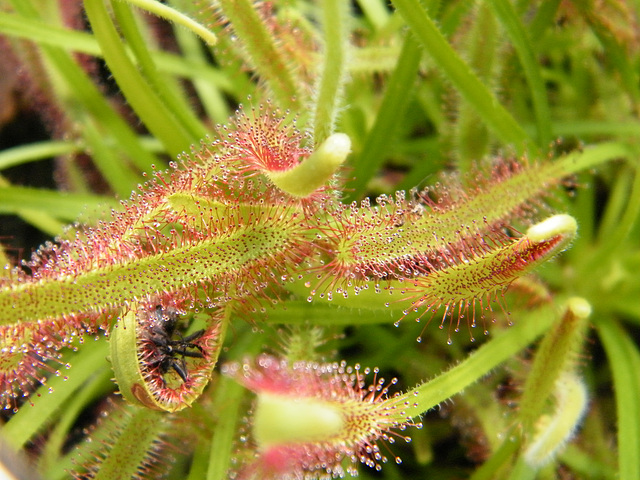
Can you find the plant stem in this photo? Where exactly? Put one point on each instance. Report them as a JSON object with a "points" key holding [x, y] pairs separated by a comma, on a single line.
{"points": [[504, 346], [332, 76]]}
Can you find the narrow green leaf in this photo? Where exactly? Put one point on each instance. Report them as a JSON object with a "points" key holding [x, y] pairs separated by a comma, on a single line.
{"points": [[616, 53], [44, 34], [140, 95], [470, 136], [78, 95], [525, 50], [164, 87], [172, 15], [380, 138], [43, 221], [61, 205], [543, 19], [209, 93], [135, 444], [72, 40], [375, 12], [624, 361], [332, 75], [504, 346], [35, 151], [118, 175], [229, 398], [261, 46], [464, 80]]}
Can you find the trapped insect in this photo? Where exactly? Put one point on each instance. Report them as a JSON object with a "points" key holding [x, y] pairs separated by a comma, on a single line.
{"points": [[169, 353]]}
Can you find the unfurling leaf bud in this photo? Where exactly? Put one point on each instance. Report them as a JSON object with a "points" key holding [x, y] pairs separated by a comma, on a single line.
{"points": [[309, 417], [316, 170]]}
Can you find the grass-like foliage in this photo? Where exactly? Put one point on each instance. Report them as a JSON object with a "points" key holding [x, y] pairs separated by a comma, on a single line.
{"points": [[358, 233]]}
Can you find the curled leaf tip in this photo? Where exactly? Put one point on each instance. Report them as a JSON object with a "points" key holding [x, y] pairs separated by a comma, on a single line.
{"points": [[316, 420], [316, 170]]}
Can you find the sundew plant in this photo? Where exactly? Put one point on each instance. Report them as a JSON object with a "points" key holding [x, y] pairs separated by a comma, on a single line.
{"points": [[313, 240]]}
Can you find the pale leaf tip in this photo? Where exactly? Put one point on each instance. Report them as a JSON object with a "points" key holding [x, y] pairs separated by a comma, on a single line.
{"points": [[553, 226], [316, 170], [579, 307], [336, 148]]}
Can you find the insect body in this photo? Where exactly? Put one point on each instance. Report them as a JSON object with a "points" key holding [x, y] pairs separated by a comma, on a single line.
{"points": [[169, 353]]}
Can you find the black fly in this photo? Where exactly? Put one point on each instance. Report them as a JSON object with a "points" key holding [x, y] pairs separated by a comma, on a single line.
{"points": [[170, 353]]}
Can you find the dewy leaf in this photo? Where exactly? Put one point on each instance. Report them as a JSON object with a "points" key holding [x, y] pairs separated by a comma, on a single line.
{"points": [[311, 419], [447, 245], [129, 444], [216, 231], [330, 83], [478, 278], [455, 221], [261, 48], [103, 288], [557, 353]]}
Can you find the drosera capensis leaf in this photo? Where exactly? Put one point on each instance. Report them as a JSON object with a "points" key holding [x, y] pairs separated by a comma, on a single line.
{"points": [[198, 234], [467, 288]]}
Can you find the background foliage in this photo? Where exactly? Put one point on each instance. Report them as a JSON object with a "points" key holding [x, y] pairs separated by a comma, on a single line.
{"points": [[420, 88]]}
